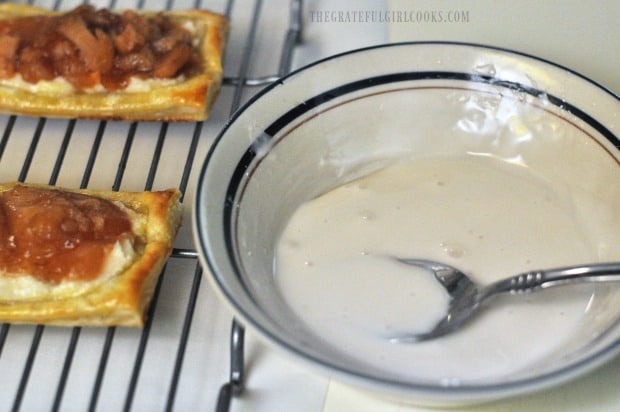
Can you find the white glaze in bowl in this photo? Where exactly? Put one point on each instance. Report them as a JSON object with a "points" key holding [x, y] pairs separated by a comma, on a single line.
{"points": [[355, 113]]}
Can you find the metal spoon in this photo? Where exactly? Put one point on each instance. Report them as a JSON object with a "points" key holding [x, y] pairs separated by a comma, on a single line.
{"points": [[466, 296]]}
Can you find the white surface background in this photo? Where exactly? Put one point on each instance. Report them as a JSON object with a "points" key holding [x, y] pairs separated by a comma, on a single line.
{"points": [[581, 35]]}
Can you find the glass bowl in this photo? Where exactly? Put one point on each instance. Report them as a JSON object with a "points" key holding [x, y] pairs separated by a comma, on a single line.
{"points": [[350, 115]]}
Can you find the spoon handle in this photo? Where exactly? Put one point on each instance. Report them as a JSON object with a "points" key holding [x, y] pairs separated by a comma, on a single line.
{"points": [[541, 279]]}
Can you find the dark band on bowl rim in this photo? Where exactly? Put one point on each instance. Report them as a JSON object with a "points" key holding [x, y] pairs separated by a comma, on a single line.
{"points": [[247, 163]]}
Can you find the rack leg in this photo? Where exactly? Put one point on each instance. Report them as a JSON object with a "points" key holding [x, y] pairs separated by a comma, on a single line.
{"points": [[234, 386]]}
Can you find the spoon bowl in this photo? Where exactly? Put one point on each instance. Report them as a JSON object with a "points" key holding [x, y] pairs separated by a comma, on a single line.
{"points": [[466, 297]]}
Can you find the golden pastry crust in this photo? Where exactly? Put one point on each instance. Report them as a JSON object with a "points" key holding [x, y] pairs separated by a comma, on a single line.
{"points": [[123, 299], [187, 100]]}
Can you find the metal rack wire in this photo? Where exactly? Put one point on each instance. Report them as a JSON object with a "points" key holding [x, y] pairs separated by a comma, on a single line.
{"points": [[234, 386], [78, 363]]}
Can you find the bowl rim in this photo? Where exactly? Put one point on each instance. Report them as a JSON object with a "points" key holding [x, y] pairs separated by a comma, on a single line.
{"points": [[466, 393]]}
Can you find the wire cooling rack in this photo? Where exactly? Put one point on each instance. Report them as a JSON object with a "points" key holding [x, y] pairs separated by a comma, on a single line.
{"points": [[170, 363]]}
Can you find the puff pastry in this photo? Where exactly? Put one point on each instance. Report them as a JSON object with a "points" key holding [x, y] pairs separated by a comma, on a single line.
{"points": [[163, 97], [56, 292]]}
